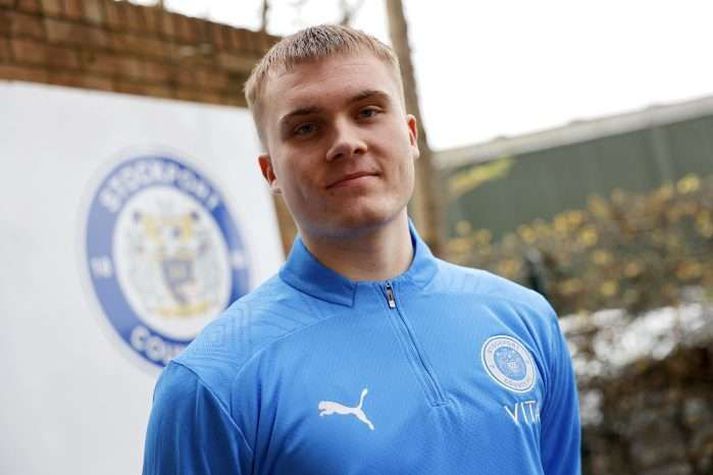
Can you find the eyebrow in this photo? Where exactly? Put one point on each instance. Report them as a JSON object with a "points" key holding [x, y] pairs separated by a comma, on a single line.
{"points": [[303, 111]]}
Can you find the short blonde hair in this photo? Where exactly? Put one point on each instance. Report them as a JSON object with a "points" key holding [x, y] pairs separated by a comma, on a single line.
{"points": [[312, 44]]}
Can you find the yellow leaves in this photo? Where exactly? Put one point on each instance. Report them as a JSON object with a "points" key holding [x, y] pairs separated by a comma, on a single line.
{"points": [[602, 258], [509, 268], [704, 224], [664, 193], [474, 176], [459, 246], [463, 227], [588, 237], [598, 207], [633, 251], [632, 269], [609, 288], [688, 184], [483, 237], [688, 270], [561, 224], [527, 233], [571, 286]]}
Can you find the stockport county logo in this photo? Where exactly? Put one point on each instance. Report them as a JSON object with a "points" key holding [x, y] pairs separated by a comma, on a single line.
{"points": [[509, 363], [163, 253]]}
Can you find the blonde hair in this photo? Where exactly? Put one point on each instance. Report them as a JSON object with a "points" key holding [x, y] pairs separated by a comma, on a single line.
{"points": [[312, 44]]}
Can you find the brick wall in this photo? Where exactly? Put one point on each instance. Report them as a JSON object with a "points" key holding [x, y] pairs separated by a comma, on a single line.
{"points": [[116, 46]]}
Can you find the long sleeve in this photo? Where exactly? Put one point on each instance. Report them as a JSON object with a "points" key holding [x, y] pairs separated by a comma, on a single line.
{"points": [[560, 439], [190, 431]]}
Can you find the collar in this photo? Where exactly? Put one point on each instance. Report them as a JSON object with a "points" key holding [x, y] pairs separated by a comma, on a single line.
{"points": [[305, 273]]}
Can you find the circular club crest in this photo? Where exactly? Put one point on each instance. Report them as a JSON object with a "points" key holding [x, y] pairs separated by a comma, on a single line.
{"points": [[163, 254], [509, 363]]}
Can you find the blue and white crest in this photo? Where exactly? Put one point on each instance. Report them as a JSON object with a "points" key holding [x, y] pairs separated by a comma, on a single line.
{"points": [[163, 253], [509, 363]]}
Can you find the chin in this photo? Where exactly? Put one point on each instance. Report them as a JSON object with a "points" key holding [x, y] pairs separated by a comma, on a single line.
{"points": [[358, 221]]}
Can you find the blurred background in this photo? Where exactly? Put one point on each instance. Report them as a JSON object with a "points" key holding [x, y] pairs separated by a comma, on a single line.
{"points": [[567, 146]]}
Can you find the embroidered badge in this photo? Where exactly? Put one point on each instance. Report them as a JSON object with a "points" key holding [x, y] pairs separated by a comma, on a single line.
{"points": [[509, 363]]}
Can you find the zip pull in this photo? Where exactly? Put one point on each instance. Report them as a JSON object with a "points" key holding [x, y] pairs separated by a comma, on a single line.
{"points": [[390, 295]]}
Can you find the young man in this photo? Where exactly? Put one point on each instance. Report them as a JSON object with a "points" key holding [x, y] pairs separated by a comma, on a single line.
{"points": [[365, 354]]}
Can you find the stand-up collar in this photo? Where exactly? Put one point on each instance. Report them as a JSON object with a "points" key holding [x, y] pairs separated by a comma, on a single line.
{"points": [[304, 272]]}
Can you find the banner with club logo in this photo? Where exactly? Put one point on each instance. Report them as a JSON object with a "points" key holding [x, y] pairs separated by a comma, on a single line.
{"points": [[128, 224]]}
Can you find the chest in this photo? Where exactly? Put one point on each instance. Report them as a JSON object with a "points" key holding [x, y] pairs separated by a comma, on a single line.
{"points": [[404, 389]]}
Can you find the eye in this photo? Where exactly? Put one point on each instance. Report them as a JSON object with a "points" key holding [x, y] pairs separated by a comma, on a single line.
{"points": [[304, 129], [369, 112]]}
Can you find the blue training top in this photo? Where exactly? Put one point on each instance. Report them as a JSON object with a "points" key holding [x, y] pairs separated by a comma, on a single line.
{"points": [[441, 370]]}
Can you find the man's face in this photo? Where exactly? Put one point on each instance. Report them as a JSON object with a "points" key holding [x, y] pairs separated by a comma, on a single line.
{"points": [[341, 149]]}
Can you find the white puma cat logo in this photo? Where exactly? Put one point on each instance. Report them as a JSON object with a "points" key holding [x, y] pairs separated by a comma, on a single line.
{"points": [[327, 408]]}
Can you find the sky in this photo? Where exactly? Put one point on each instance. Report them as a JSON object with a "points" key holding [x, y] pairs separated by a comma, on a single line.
{"points": [[505, 68]]}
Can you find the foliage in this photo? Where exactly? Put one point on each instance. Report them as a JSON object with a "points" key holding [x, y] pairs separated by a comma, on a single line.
{"points": [[632, 251]]}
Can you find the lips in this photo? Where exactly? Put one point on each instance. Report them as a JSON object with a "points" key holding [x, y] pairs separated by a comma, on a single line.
{"points": [[344, 180]]}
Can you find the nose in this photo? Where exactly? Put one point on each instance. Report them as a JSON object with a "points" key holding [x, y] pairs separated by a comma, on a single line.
{"points": [[347, 143]]}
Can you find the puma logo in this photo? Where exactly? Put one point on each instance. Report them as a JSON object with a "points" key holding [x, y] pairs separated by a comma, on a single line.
{"points": [[327, 408]]}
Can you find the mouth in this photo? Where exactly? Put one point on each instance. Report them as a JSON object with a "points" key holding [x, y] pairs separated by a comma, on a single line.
{"points": [[351, 179]]}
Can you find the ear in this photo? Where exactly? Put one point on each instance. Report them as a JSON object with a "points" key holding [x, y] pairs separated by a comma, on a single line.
{"points": [[413, 134], [268, 172]]}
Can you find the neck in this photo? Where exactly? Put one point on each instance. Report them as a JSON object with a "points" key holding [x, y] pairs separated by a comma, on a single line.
{"points": [[377, 254]]}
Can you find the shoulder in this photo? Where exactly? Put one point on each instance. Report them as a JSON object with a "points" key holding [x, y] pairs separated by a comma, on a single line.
{"points": [[490, 287], [245, 329]]}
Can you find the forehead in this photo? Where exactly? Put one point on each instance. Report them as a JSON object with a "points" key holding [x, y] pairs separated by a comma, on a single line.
{"points": [[327, 80]]}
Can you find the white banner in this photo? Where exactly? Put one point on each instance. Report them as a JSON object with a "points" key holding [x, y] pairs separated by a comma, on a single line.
{"points": [[127, 224]]}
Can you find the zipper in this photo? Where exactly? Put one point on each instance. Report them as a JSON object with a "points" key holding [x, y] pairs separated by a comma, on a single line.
{"points": [[390, 300], [428, 380]]}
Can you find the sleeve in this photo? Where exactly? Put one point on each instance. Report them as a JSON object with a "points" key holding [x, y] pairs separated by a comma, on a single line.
{"points": [[560, 436], [190, 431]]}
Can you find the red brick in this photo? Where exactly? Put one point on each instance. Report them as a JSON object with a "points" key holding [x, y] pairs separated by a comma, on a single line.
{"points": [[184, 77], [202, 30], [28, 51], [79, 79], [62, 57], [152, 18], [27, 25], [93, 11], [99, 83], [210, 97], [216, 36], [159, 91], [22, 73], [52, 7], [167, 26], [195, 29], [158, 72], [30, 6], [185, 54], [6, 22], [187, 94], [238, 38], [140, 45], [98, 62], [267, 42], [75, 33], [114, 15], [5, 52], [235, 62], [184, 29], [156, 48], [72, 9], [129, 67], [212, 79], [134, 17], [131, 87], [235, 100]]}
